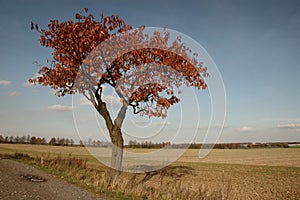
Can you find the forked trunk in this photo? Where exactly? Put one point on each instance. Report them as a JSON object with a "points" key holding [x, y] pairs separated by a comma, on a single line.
{"points": [[116, 137]]}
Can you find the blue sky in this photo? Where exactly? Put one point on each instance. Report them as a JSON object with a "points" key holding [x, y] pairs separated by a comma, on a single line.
{"points": [[255, 44]]}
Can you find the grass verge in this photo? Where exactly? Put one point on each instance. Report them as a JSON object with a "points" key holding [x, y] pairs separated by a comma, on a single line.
{"points": [[162, 184]]}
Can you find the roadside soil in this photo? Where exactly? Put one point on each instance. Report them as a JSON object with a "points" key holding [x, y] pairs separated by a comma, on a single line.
{"points": [[21, 181]]}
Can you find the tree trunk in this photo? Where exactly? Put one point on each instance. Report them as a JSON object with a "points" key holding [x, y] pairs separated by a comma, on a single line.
{"points": [[116, 137], [117, 154], [117, 148]]}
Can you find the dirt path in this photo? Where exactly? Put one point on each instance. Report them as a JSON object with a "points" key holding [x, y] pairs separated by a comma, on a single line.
{"points": [[21, 181]]}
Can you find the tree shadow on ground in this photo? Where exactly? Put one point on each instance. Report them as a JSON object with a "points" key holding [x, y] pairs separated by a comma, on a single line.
{"points": [[175, 172]]}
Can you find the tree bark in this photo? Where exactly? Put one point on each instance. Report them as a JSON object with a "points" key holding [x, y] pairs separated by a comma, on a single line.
{"points": [[115, 133], [117, 148], [117, 139]]}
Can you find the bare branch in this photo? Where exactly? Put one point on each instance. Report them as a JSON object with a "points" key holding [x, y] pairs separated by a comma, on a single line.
{"points": [[135, 111], [107, 69], [92, 98], [121, 115]]}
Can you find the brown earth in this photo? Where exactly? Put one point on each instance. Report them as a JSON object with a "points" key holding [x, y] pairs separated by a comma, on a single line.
{"points": [[21, 181]]}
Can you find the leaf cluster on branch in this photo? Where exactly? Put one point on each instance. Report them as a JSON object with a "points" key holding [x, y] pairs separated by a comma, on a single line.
{"points": [[144, 70]]}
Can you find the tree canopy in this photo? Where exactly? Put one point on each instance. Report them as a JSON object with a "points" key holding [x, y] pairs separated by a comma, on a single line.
{"points": [[144, 69]]}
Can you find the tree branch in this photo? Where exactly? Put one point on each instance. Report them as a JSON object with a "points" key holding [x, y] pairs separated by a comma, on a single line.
{"points": [[92, 98], [134, 109], [98, 94], [121, 115], [107, 68], [107, 81], [102, 109]]}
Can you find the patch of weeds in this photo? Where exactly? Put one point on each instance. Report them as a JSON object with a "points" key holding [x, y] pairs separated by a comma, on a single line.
{"points": [[16, 156]]}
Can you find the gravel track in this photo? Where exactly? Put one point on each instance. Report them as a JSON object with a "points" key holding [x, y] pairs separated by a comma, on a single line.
{"points": [[16, 183]]}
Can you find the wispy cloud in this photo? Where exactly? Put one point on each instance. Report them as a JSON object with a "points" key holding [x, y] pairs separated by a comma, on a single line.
{"points": [[289, 126], [291, 120], [59, 108], [214, 126], [163, 123], [85, 102], [13, 94], [142, 123], [112, 101], [150, 123], [4, 83], [27, 84], [245, 129], [53, 92]]}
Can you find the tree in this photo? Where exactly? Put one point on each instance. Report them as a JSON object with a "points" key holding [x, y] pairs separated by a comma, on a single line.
{"points": [[38, 140], [11, 139], [6, 139], [90, 142], [57, 141], [52, 141], [17, 140], [43, 141], [23, 139], [61, 142], [85, 59], [81, 143], [28, 139], [71, 142], [33, 140], [67, 142]]}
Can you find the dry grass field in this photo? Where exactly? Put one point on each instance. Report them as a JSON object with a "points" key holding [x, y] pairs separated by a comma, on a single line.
{"points": [[223, 174], [289, 157]]}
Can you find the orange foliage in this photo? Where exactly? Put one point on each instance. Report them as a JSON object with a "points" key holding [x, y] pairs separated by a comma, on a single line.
{"points": [[144, 73]]}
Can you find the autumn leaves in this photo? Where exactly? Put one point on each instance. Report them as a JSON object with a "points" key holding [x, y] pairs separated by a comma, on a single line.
{"points": [[143, 68]]}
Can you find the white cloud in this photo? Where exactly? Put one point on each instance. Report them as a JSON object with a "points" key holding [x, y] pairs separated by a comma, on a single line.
{"points": [[35, 76], [53, 92], [142, 123], [292, 126], [13, 94], [59, 107], [163, 123], [85, 102], [245, 129], [4, 82], [27, 84], [287, 120], [112, 101], [214, 126]]}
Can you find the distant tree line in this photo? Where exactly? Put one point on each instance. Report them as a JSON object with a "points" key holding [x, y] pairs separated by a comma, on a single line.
{"points": [[149, 144], [22, 140], [54, 141], [241, 145], [57, 141]]}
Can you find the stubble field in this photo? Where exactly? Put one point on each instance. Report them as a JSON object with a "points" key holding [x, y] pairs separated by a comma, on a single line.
{"points": [[226, 174]]}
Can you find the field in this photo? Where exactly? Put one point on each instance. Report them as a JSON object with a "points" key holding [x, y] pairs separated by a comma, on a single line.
{"points": [[226, 174]]}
